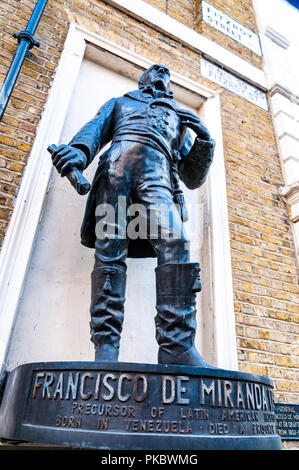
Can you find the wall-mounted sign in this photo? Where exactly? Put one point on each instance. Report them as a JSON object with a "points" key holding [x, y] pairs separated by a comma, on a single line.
{"points": [[234, 84], [231, 28], [287, 420]]}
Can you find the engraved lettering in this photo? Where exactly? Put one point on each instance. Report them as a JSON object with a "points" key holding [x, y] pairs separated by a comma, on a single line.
{"points": [[94, 409], [103, 410], [218, 428], [271, 399], [258, 396], [181, 390], [80, 408], [241, 429], [100, 399], [263, 428], [250, 396], [64, 421], [103, 424], [120, 396], [228, 388], [264, 400], [108, 386], [195, 413], [140, 379], [235, 415], [175, 427], [87, 409], [202, 413], [135, 426], [168, 396], [83, 395], [166, 427], [72, 386], [219, 393], [70, 422], [150, 426], [240, 398], [208, 390], [59, 387], [142, 425], [97, 387], [157, 412], [49, 379], [39, 375]]}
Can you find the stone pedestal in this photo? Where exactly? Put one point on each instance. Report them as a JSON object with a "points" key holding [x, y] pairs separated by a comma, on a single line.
{"points": [[132, 406]]}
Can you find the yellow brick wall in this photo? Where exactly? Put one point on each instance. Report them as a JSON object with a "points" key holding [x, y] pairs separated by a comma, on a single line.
{"points": [[262, 245], [181, 10], [20, 121], [262, 248]]}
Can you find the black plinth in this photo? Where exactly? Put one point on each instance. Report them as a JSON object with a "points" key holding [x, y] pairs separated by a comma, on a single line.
{"points": [[138, 406]]}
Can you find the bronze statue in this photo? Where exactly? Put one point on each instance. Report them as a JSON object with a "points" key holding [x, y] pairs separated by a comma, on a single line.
{"points": [[151, 151]]}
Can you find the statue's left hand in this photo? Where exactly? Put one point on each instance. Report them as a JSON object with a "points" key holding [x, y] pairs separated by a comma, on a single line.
{"points": [[194, 122], [66, 157]]}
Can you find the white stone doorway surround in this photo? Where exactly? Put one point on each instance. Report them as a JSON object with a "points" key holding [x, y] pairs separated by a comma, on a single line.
{"points": [[218, 338]]}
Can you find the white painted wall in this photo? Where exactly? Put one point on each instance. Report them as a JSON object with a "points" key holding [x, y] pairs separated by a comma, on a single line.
{"points": [[53, 316], [280, 40], [280, 60]]}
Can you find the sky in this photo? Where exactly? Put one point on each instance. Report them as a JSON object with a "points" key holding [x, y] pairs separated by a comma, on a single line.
{"points": [[295, 3]]}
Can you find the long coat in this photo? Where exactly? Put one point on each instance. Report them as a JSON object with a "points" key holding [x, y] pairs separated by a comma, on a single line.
{"points": [[192, 160]]}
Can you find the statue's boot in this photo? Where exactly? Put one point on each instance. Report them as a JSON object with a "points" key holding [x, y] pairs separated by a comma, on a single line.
{"points": [[176, 288], [108, 286]]}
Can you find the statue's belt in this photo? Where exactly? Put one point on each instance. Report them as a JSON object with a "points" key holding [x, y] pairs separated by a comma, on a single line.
{"points": [[133, 136]]}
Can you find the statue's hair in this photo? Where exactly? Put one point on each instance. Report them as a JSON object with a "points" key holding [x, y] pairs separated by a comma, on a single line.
{"points": [[143, 78]]}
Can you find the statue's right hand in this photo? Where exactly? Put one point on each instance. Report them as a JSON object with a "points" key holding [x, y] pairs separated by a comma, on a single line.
{"points": [[65, 158]]}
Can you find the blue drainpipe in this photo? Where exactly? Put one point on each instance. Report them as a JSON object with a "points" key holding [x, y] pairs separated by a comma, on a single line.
{"points": [[26, 41]]}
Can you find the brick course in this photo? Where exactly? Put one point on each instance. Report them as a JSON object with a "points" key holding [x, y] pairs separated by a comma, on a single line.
{"points": [[181, 10], [262, 245]]}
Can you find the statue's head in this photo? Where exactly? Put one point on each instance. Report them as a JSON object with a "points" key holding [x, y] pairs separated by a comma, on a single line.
{"points": [[157, 76]]}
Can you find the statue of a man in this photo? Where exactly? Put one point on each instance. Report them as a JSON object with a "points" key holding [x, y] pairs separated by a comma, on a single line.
{"points": [[151, 150]]}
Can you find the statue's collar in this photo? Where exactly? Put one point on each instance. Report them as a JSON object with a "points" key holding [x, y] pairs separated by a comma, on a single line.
{"points": [[149, 94], [151, 90]]}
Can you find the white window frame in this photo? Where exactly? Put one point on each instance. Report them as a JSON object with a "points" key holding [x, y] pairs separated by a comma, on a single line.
{"points": [[19, 240]]}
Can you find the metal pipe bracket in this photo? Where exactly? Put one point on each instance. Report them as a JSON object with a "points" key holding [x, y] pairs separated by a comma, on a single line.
{"points": [[26, 36]]}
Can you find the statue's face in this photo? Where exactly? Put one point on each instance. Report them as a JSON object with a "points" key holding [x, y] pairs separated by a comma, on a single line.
{"points": [[158, 76]]}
